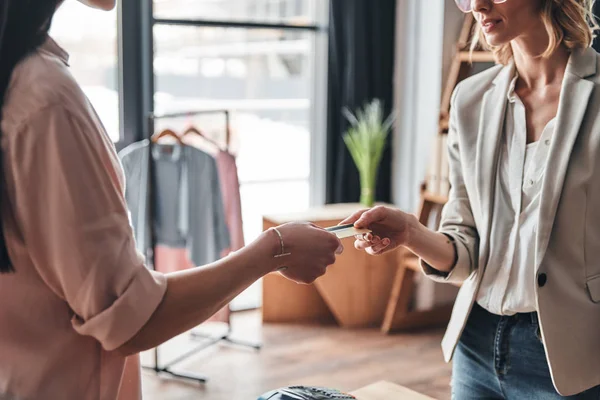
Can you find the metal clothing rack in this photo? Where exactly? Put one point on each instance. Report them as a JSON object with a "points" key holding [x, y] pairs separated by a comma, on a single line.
{"points": [[208, 341]]}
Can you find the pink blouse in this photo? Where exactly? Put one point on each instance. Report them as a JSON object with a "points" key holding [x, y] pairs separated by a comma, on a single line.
{"points": [[80, 289]]}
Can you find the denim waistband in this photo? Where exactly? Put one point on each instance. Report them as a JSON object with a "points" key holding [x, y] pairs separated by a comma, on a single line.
{"points": [[530, 316]]}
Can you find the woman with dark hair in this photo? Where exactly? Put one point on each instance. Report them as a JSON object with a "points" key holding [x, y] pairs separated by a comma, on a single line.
{"points": [[75, 296]]}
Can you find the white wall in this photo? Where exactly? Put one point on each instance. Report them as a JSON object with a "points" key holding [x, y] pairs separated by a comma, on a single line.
{"points": [[427, 32]]}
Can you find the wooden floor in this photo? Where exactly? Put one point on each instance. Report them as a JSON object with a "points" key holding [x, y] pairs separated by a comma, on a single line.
{"points": [[319, 356]]}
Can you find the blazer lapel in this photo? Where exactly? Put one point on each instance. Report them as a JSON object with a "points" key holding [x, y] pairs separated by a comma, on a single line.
{"points": [[491, 124], [574, 97]]}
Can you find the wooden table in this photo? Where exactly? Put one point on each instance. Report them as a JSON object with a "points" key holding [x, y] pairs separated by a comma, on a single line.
{"points": [[354, 292], [388, 391]]}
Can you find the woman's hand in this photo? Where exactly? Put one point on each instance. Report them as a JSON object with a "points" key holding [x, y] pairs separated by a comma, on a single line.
{"points": [[192, 296], [311, 249], [390, 229]]}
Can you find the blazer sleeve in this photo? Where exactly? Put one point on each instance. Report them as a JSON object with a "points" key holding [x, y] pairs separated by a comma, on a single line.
{"points": [[457, 217]]}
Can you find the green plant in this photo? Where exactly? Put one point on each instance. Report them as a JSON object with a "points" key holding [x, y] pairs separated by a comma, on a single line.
{"points": [[366, 140]]}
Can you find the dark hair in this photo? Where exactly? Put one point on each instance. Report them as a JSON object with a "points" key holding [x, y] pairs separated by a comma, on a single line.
{"points": [[24, 26]]}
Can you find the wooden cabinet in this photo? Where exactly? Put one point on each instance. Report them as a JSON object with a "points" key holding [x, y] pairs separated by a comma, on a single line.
{"points": [[354, 292]]}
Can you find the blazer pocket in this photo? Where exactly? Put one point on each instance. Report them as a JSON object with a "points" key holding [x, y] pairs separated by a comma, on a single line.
{"points": [[593, 286]]}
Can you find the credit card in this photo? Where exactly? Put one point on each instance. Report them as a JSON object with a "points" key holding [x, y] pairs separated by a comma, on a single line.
{"points": [[346, 231]]}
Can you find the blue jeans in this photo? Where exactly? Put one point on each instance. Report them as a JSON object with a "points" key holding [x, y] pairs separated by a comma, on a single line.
{"points": [[501, 357]]}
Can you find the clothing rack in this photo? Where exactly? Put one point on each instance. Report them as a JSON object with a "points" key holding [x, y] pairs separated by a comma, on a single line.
{"points": [[208, 341]]}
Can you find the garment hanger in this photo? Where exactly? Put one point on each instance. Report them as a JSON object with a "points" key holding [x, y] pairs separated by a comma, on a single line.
{"points": [[167, 133], [194, 131]]}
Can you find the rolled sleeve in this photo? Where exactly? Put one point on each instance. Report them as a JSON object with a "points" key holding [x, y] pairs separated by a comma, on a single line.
{"points": [[457, 219], [458, 274], [115, 325], [66, 188]]}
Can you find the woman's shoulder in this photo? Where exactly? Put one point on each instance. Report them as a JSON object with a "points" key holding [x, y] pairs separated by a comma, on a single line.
{"points": [[474, 86], [40, 81]]}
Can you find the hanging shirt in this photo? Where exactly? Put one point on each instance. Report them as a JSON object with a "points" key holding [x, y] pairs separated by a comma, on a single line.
{"points": [[169, 259], [230, 188], [75, 295], [188, 205], [508, 285]]}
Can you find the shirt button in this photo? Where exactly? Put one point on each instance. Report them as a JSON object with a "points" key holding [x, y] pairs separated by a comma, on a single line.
{"points": [[547, 142], [531, 182], [542, 279]]}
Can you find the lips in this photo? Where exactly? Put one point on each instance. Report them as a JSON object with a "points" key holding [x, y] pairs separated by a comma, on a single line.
{"points": [[489, 24]]}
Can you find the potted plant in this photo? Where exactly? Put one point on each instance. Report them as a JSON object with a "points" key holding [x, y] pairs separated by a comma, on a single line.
{"points": [[366, 140]]}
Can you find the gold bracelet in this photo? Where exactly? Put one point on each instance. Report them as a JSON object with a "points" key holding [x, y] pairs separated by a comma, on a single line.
{"points": [[283, 253]]}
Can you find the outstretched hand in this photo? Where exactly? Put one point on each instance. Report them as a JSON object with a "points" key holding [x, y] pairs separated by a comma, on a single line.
{"points": [[389, 226], [311, 249]]}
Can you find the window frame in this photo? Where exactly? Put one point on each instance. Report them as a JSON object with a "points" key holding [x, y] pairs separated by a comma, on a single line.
{"points": [[137, 78]]}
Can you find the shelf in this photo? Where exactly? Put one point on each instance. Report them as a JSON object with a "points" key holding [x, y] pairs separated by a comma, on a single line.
{"points": [[476, 56], [435, 198]]}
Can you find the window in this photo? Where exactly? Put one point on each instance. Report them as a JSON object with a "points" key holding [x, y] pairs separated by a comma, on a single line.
{"points": [[264, 76], [243, 56], [90, 37]]}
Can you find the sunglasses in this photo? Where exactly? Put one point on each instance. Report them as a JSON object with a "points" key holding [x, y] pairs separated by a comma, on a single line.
{"points": [[466, 6]]}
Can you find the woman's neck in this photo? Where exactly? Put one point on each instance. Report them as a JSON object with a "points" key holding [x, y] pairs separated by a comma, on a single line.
{"points": [[534, 70]]}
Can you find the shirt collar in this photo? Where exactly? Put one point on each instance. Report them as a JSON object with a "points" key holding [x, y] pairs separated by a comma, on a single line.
{"points": [[512, 94], [167, 152], [52, 48]]}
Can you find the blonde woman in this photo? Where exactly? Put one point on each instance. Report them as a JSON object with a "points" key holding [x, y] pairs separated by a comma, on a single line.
{"points": [[521, 229]]}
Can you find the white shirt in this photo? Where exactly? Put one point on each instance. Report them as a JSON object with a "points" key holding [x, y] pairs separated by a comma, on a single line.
{"points": [[508, 285]]}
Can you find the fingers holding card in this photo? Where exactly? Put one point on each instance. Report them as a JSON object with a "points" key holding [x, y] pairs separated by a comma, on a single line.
{"points": [[346, 231]]}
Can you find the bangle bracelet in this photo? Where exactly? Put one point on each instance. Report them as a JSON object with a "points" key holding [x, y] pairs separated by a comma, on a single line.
{"points": [[283, 252]]}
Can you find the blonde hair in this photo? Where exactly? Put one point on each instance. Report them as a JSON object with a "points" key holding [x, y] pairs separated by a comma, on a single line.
{"points": [[568, 22]]}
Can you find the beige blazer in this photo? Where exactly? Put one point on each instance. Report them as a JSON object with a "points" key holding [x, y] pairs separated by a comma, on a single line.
{"points": [[567, 246]]}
